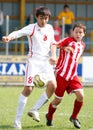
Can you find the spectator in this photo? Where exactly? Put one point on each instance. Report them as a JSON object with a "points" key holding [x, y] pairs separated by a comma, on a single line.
{"points": [[31, 18], [69, 19], [57, 31], [1, 23]]}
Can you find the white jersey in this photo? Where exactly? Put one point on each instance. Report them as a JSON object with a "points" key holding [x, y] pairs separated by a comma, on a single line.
{"points": [[40, 39]]}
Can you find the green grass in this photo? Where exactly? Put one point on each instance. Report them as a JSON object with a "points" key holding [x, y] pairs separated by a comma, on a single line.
{"points": [[8, 104]]}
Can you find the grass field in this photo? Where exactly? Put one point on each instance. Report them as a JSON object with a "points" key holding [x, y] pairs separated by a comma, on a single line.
{"points": [[8, 104]]}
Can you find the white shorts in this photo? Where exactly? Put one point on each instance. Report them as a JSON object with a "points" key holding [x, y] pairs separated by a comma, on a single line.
{"points": [[37, 66]]}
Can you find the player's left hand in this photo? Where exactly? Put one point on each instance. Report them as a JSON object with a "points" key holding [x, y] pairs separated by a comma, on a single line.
{"points": [[68, 49], [53, 60]]}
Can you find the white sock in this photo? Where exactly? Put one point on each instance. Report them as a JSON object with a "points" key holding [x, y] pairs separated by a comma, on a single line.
{"points": [[41, 101], [21, 105]]}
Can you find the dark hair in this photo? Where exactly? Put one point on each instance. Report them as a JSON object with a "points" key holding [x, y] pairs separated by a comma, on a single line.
{"points": [[80, 26], [43, 11], [66, 6]]}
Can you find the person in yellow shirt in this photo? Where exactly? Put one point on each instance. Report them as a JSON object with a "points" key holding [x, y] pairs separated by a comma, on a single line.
{"points": [[68, 19]]}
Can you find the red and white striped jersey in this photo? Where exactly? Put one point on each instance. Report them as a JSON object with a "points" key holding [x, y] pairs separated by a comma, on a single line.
{"points": [[39, 38], [68, 61]]}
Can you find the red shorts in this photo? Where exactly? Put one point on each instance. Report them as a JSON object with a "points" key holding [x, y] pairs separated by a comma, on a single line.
{"points": [[69, 86]]}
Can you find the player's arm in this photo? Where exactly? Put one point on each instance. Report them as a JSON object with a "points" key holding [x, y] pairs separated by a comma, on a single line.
{"points": [[17, 34], [68, 49], [53, 58], [63, 44], [12, 36]]}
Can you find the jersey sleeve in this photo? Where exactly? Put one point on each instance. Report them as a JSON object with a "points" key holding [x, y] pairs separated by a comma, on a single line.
{"points": [[52, 36], [63, 42], [25, 31]]}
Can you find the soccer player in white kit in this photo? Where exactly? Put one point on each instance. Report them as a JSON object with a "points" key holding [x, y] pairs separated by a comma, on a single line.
{"points": [[41, 38]]}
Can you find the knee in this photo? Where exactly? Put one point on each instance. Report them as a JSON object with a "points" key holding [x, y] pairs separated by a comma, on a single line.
{"points": [[27, 90], [51, 85], [56, 101], [50, 89], [80, 97]]}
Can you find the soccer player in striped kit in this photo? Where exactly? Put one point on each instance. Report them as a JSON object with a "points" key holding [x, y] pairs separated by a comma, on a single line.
{"points": [[66, 74]]}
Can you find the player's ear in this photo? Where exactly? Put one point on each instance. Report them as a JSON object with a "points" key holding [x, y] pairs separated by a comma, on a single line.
{"points": [[36, 17], [84, 34]]}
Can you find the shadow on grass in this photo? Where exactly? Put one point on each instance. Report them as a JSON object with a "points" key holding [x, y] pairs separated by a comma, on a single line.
{"points": [[43, 127], [7, 127], [33, 127], [36, 127]]}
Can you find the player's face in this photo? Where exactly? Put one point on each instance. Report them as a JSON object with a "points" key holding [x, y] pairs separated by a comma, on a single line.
{"points": [[42, 20], [78, 34]]}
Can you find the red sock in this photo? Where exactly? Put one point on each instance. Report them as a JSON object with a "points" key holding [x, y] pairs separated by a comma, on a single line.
{"points": [[51, 111], [76, 109]]}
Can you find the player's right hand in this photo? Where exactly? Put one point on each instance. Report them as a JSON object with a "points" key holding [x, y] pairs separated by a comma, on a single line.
{"points": [[6, 39]]}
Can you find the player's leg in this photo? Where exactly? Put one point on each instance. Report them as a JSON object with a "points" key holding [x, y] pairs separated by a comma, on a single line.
{"points": [[78, 103], [42, 100], [59, 93], [50, 88], [21, 105], [51, 110], [25, 93]]}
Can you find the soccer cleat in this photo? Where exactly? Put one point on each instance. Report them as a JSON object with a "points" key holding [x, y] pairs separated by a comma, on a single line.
{"points": [[49, 122], [35, 115], [17, 125], [75, 122]]}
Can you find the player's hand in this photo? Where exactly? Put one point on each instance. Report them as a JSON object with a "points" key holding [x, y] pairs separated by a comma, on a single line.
{"points": [[6, 39], [68, 49], [53, 60]]}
